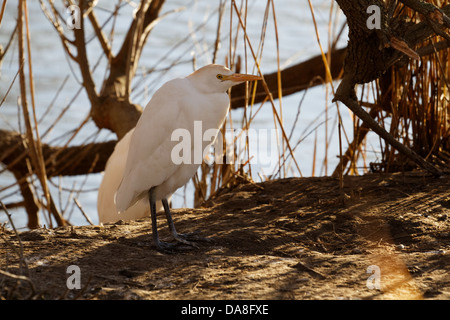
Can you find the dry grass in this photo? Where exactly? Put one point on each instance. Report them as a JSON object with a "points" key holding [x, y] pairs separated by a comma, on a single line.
{"points": [[411, 102]]}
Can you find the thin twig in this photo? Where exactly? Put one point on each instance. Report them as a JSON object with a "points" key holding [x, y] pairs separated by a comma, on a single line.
{"points": [[20, 278], [266, 88], [82, 211], [21, 257]]}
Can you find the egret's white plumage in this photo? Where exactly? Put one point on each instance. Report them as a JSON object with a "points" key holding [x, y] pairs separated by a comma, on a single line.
{"points": [[150, 172], [112, 176]]}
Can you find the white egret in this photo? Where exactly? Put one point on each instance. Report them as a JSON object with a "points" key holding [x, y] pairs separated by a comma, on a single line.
{"points": [[151, 172]]}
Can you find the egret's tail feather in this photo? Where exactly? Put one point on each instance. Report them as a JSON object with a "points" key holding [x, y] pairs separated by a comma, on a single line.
{"points": [[122, 199]]}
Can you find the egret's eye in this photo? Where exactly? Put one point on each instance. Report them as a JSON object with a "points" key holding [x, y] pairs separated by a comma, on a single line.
{"points": [[219, 76]]}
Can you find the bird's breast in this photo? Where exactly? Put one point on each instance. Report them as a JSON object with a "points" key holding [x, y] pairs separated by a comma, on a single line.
{"points": [[211, 109]]}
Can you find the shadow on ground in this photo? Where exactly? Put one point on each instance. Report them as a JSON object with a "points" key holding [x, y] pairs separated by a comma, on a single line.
{"points": [[298, 238]]}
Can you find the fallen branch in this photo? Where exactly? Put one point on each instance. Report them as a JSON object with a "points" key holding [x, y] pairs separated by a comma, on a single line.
{"points": [[294, 79], [59, 161]]}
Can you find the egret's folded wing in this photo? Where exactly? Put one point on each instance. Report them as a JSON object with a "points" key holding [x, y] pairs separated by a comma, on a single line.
{"points": [[112, 177], [149, 160]]}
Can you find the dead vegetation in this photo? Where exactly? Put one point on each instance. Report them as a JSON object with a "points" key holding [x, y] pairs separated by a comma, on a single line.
{"points": [[304, 232], [406, 99]]}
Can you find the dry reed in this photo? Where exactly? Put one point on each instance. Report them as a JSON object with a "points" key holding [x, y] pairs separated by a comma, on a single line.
{"points": [[411, 101]]}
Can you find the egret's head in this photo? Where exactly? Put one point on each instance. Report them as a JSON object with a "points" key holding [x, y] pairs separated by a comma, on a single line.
{"points": [[217, 78]]}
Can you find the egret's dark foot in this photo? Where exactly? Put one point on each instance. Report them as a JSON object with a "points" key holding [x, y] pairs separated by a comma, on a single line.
{"points": [[191, 238], [194, 236], [167, 247], [180, 238], [185, 241]]}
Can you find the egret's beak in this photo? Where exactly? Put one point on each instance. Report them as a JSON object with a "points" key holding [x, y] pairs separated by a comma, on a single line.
{"points": [[239, 77]]}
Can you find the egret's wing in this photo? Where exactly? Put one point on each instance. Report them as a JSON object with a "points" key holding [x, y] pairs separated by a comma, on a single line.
{"points": [[112, 176], [149, 157], [111, 179]]}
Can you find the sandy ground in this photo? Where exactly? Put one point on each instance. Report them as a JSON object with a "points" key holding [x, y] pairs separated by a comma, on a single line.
{"points": [[299, 238]]}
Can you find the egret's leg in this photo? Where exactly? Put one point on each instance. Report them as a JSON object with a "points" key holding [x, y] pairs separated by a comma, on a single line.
{"points": [[177, 236], [186, 238], [162, 246]]}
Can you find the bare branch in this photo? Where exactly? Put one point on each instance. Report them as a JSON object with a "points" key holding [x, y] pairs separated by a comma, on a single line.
{"points": [[82, 58], [429, 10], [55, 23], [295, 78], [100, 35], [125, 64], [65, 161]]}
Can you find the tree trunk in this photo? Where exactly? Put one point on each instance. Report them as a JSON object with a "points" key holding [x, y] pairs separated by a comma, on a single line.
{"points": [[370, 53]]}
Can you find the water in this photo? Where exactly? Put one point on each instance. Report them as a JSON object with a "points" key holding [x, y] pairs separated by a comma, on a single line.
{"points": [[181, 37]]}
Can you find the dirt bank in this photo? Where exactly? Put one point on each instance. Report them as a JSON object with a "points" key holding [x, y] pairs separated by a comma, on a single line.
{"points": [[297, 238]]}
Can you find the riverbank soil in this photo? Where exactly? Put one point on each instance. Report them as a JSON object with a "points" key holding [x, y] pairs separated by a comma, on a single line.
{"points": [[386, 237]]}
